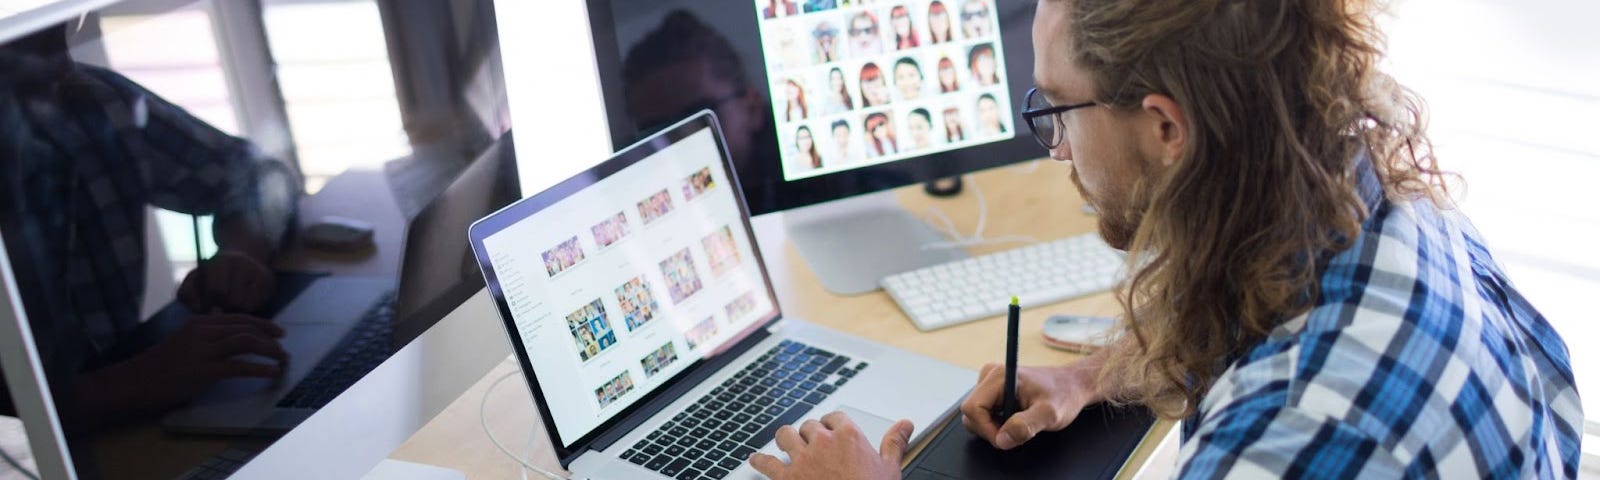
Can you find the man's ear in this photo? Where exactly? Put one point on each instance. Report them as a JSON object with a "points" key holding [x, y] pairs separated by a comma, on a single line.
{"points": [[1167, 132]]}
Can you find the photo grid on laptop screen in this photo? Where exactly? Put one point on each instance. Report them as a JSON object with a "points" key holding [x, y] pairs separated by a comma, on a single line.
{"points": [[624, 284]]}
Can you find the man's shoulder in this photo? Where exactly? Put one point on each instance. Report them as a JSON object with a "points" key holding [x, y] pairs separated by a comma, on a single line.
{"points": [[1407, 345]]}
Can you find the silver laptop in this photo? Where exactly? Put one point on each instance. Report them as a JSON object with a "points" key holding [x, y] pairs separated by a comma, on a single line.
{"points": [[637, 302], [436, 275]]}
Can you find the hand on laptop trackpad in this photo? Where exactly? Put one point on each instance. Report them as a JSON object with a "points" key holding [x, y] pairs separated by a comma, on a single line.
{"points": [[872, 426]]}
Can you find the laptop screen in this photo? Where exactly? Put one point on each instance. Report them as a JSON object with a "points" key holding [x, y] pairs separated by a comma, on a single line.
{"points": [[619, 286]]}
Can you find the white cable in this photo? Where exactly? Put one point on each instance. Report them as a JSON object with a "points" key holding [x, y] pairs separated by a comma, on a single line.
{"points": [[1028, 168], [483, 421], [961, 241]]}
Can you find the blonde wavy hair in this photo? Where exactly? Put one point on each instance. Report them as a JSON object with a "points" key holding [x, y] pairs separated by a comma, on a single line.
{"points": [[1282, 97]]}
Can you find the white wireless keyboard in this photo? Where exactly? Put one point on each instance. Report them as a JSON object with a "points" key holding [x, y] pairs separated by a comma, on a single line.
{"points": [[981, 287]]}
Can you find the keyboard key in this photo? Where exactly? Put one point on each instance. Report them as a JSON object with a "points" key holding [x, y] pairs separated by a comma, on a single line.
{"points": [[688, 474], [658, 463], [742, 454], [739, 436], [694, 453], [715, 473], [835, 364], [675, 450], [705, 444], [729, 463], [702, 465], [701, 432], [765, 434], [685, 442], [764, 419], [640, 458], [676, 432], [827, 388], [815, 398], [674, 468], [652, 449], [728, 446], [718, 435]]}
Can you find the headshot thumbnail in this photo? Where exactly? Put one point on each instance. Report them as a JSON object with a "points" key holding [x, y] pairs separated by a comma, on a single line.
{"points": [[590, 330]]}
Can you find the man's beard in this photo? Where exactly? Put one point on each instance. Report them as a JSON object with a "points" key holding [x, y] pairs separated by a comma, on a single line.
{"points": [[1116, 221]]}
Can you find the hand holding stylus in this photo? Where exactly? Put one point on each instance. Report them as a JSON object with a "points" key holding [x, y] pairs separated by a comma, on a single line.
{"points": [[1011, 404]]}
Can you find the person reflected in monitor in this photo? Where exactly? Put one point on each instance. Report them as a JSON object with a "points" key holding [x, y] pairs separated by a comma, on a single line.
{"points": [[880, 136], [990, 120], [982, 62], [908, 78], [953, 130], [825, 38], [905, 33], [949, 79], [89, 152], [776, 8], [838, 99], [919, 126], [865, 41], [795, 107], [807, 147], [975, 19], [940, 28], [874, 89], [700, 67], [842, 140]]}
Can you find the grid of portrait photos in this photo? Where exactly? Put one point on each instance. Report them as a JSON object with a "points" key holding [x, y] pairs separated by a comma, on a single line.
{"points": [[591, 330], [638, 305], [598, 326], [868, 82], [562, 256], [658, 360], [614, 389], [721, 251]]}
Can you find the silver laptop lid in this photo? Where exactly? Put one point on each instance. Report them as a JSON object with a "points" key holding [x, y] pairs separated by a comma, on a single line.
{"points": [[616, 283]]}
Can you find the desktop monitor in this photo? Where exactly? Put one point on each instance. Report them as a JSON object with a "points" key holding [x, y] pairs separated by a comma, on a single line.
{"points": [[823, 100], [117, 375]]}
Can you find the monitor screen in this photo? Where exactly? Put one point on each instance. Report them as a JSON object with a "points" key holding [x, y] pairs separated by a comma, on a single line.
{"points": [[821, 99], [156, 214], [883, 82], [616, 288]]}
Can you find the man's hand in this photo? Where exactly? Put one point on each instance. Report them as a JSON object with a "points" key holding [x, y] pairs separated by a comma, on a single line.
{"points": [[1051, 398], [198, 354], [229, 281], [834, 448]]}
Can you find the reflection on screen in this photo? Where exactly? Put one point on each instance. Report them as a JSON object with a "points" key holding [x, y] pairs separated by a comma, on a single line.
{"points": [[871, 84], [621, 286]]}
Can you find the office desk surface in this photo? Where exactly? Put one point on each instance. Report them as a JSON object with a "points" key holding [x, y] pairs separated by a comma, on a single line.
{"points": [[1033, 199]]}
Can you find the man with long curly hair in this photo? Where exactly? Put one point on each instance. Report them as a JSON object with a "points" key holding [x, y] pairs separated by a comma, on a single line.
{"points": [[1302, 291]]}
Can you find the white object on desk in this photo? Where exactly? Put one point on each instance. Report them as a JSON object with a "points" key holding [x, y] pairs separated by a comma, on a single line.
{"points": [[980, 287]]}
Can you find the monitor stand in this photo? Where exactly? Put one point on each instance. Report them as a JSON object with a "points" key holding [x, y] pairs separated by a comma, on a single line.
{"points": [[851, 244]]}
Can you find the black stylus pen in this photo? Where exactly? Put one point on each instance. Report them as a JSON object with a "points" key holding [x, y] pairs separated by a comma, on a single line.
{"points": [[1009, 403]]}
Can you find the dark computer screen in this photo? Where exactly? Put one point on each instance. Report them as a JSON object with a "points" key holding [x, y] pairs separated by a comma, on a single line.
{"points": [[824, 99], [168, 343]]}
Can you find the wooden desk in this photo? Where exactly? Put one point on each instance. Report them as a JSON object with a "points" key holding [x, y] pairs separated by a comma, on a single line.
{"points": [[1030, 199]]}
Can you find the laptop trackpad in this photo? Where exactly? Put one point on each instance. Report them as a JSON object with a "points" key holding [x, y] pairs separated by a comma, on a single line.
{"points": [[873, 426]]}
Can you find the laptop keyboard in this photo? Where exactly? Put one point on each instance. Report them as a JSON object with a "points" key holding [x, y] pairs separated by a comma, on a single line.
{"points": [[362, 349], [720, 431]]}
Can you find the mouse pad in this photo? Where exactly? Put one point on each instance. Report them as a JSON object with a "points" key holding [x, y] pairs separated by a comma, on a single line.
{"points": [[1095, 446]]}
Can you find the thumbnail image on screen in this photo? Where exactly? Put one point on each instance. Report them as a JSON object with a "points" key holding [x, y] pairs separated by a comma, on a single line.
{"points": [[862, 85]]}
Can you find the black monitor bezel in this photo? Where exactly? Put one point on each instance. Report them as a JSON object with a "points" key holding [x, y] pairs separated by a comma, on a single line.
{"points": [[533, 204], [787, 195]]}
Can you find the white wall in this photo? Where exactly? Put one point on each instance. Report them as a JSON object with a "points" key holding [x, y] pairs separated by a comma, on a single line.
{"points": [[556, 108]]}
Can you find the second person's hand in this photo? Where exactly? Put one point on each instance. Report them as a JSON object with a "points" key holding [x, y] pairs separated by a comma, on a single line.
{"points": [[1051, 398]]}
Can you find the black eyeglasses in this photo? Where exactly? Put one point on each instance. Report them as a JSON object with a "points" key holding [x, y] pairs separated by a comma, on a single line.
{"points": [[1043, 119]]}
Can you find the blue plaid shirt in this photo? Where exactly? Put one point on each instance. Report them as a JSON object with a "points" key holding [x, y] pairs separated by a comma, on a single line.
{"points": [[87, 153], [1419, 360]]}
